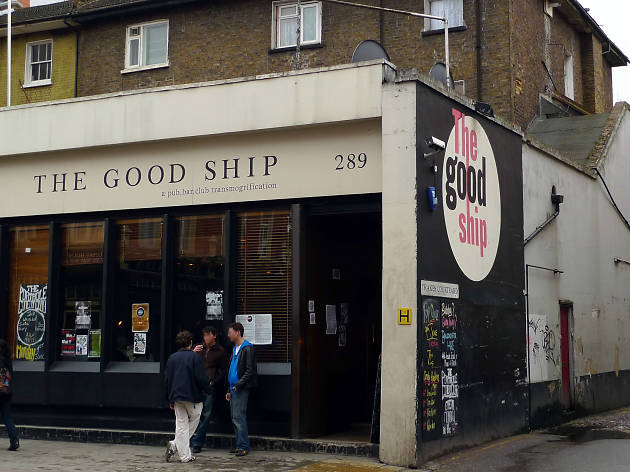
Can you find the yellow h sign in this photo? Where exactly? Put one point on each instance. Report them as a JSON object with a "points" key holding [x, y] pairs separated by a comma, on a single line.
{"points": [[404, 316]]}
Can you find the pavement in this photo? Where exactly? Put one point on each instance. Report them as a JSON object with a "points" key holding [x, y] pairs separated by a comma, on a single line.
{"points": [[596, 443]]}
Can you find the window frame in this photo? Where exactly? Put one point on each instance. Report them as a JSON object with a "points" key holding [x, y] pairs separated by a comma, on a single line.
{"points": [[28, 63], [427, 21], [275, 30], [140, 67]]}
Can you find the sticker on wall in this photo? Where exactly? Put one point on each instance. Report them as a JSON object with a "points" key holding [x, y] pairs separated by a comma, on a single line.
{"points": [[95, 343], [31, 323], [83, 310], [312, 318], [68, 343], [140, 317], [82, 345], [471, 197], [140, 343], [311, 306], [214, 305]]}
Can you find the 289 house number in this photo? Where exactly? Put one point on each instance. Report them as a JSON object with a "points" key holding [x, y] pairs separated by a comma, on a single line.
{"points": [[351, 161]]}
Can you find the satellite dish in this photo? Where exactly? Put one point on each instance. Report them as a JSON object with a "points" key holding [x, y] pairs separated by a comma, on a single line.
{"points": [[369, 50], [438, 73]]}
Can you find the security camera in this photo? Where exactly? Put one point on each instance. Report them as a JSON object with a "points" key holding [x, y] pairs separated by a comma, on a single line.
{"points": [[435, 143]]}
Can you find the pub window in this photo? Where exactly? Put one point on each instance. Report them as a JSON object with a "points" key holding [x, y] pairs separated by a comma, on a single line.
{"points": [[38, 63], [199, 267], [285, 21], [138, 288], [28, 286], [453, 10], [81, 280], [147, 45], [263, 280]]}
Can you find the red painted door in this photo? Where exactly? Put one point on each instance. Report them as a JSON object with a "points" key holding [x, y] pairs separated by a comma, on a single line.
{"points": [[565, 344]]}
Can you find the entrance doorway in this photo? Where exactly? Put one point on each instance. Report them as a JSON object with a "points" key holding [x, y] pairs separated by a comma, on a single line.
{"points": [[343, 286], [565, 347]]}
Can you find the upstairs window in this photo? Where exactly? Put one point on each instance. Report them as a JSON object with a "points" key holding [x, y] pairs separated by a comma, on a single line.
{"points": [[38, 63], [147, 45], [286, 21], [569, 84], [453, 10]]}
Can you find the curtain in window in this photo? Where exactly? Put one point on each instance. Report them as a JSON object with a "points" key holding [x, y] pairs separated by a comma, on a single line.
{"points": [[310, 24], [288, 32], [451, 9], [155, 44]]}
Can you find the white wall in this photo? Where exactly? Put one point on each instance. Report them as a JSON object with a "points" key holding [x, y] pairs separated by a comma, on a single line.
{"points": [[399, 396], [583, 242]]}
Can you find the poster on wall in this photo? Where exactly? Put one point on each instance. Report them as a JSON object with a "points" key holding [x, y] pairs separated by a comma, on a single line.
{"points": [[214, 305], [258, 328], [68, 343], [140, 343], [140, 317], [81, 345], [31, 322], [95, 343], [83, 310], [331, 319]]}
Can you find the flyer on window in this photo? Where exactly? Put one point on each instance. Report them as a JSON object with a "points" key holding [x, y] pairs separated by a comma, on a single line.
{"points": [[140, 317], [83, 314], [95, 343], [68, 342], [81, 345], [139, 343], [31, 322], [214, 305]]}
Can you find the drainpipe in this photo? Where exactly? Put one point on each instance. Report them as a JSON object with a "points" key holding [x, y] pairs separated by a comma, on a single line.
{"points": [[76, 53], [479, 53], [556, 200]]}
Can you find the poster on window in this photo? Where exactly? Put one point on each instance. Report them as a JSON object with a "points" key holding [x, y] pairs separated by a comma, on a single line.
{"points": [[68, 343], [83, 318], [258, 328], [140, 317], [82, 345], [31, 322], [214, 305], [140, 343], [95, 343]]}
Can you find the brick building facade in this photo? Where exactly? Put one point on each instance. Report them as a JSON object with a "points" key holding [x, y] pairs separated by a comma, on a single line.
{"points": [[516, 52]]}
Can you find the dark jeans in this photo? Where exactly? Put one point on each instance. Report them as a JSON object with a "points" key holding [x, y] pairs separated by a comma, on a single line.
{"points": [[199, 439], [7, 419], [238, 409]]}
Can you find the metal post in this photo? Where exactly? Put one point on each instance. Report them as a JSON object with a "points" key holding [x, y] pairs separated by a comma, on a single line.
{"points": [[9, 53], [298, 33], [447, 57]]}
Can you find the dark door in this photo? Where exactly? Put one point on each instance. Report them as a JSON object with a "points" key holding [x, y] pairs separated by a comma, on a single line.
{"points": [[565, 345], [343, 283]]}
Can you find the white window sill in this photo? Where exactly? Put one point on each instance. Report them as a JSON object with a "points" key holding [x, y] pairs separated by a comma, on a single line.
{"points": [[143, 68], [39, 83]]}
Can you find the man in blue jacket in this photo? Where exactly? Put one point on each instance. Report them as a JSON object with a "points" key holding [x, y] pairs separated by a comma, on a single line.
{"points": [[242, 377], [186, 380]]}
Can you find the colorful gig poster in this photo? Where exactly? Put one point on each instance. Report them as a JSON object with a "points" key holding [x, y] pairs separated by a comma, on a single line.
{"points": [[31, 323], [140, 317]]}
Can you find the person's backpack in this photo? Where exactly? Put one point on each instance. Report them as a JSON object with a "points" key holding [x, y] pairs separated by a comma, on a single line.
{"points": [[5, 381]]}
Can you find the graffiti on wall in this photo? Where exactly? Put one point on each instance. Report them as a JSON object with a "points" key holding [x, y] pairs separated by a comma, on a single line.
{"points": [[543, 347]]}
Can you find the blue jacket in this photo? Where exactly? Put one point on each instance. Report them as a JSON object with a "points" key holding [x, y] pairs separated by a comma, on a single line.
{"points": [[242, 373], [185, 377]]}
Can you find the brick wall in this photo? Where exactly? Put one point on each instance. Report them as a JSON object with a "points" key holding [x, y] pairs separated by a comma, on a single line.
{"points": [[63, 68]]}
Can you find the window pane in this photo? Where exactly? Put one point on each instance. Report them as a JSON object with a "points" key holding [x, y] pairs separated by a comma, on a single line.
{"points": [[310, 24], [28, 285], [287, 33], [138, 288], [81, 279], [134, 51], [48, 51], [35, 53], [199, 271], [155, 39], [288, 10], [263, 277], [35, 72]]}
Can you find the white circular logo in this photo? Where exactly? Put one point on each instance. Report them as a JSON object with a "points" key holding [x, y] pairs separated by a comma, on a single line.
{"points": [[471, 197]]}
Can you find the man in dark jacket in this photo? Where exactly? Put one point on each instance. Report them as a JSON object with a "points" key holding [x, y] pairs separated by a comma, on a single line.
{"points": [[242, 377], [186, 380], [6, 388], [213, 356]]}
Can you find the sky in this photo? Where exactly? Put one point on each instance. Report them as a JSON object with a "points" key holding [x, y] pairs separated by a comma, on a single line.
{"points": [[611, 15]]}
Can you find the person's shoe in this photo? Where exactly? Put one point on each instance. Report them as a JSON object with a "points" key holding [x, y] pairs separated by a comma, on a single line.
{"points": [[242, 453], [14, 445], [170, 451], [196, 449], [191, 459], [236, 450]]}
